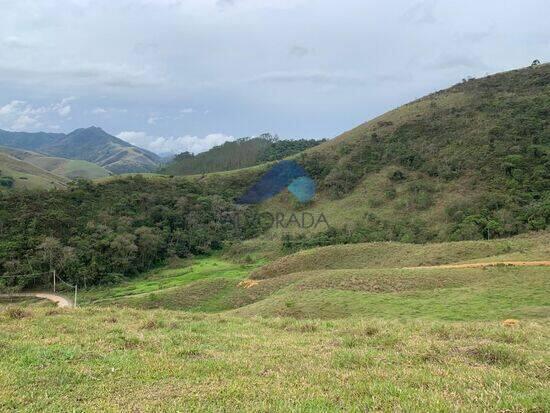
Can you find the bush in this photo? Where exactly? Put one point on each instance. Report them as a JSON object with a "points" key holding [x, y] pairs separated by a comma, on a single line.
{"points": [[7, 181], [16, 313]]}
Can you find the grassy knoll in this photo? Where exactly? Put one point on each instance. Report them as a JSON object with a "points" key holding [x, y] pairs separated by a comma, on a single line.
{"points": [[452, 294], [534, 246], [18, 174], [187, 272], [127, 360], [448, 294]]}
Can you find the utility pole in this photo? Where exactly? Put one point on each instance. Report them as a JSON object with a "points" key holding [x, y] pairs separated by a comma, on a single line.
{"points": [[53, 280]]}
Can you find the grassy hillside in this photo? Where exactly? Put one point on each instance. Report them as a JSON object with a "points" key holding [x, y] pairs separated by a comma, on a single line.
{"points": [[201, 335], [88, 144], [68, 168], [18, 174], [469, 162], [234, 343], [241, 153], [339, 281], [532, 247]]}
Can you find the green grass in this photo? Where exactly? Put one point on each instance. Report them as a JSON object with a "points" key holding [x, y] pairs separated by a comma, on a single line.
{"points": [[6, 303], [201, 268], [38, 164], [81, 169], [111, 360], [467, 294], [194, 338], [495, 293], [27, 176], [533, 246]]}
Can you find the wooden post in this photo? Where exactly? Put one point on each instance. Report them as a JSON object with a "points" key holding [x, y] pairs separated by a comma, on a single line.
{"points": [[75, 294], [54, 281]]}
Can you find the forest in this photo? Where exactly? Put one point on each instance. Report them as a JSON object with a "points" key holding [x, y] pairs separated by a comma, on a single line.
{"points": [[100, 233]]}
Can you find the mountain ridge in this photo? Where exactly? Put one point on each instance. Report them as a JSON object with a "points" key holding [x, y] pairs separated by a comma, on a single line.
{"points": [[90, 144]]}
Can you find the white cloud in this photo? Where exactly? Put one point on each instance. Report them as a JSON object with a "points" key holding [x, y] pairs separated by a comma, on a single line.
{"points": [[152, 120], [421, 13], [20, 115], [187, 110], [25, 122], [99, 111], [174, 144], [13, 107]]}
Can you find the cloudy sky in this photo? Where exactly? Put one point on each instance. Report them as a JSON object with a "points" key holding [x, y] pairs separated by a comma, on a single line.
{"points": [[175, 75]]}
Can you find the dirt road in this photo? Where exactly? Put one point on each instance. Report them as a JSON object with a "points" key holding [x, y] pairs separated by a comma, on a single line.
{"points": [[61, 301], [488, 264]]}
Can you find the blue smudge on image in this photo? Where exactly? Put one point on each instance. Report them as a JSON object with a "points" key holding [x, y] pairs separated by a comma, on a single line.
{"points": [[276, 180], [303, 188]]}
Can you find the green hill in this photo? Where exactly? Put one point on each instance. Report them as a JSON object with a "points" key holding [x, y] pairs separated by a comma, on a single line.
{"points": [[87, 144], [339, 281], [163, 314], [18, 174], [469, 162], [68, 168], [241, 153]]}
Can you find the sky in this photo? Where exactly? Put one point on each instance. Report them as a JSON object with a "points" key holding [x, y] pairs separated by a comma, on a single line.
{"points": [[186, 75]]}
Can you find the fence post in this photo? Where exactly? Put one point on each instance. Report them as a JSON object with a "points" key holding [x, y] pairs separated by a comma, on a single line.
{"points": [[75, 294], [54, 280]]}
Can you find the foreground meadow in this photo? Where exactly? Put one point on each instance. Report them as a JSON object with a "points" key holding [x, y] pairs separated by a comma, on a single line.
{"points": [[107, 359]]}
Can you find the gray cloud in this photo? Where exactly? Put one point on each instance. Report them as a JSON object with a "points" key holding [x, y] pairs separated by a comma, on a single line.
{"points": [[295, 67], [458, 61], [308, 77], [225, 3], [299, 51], [421, 13], [15, 42]]}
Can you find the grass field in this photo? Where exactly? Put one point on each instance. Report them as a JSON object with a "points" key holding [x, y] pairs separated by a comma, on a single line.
{"points": [[529, 247], [28, 176], [201, 335], [98, 359], [185, 273]]}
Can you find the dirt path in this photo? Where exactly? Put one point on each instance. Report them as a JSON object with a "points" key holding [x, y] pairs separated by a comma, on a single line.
{"points": [[487, 264], [61, 301]]}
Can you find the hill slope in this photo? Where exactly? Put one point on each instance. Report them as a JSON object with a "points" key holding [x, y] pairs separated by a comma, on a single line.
{"points": [[469, 162], [18, 174], [241, 153], [90, 144], [68, 168]]}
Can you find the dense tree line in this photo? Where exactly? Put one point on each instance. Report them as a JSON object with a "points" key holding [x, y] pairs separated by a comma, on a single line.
{"points": [[99, 233], [238, 154]]}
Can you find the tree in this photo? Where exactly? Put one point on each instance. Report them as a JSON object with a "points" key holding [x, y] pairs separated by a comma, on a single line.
{"points": [[124, 252], [50, 251]]}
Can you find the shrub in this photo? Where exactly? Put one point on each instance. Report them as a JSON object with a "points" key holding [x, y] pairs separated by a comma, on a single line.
{"points": [[16, 313]]}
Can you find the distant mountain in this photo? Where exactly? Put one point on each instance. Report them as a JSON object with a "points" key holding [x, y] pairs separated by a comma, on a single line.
{"points": [[67, 168], [90, 144], [238, 154]]}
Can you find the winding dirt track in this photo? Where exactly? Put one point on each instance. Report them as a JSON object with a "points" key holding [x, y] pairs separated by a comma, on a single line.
{"points": [[488, 264], [61, 301]]}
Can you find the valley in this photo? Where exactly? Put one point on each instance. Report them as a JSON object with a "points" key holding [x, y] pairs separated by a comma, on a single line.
{"points": [[425, 287], [196, 334]]}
